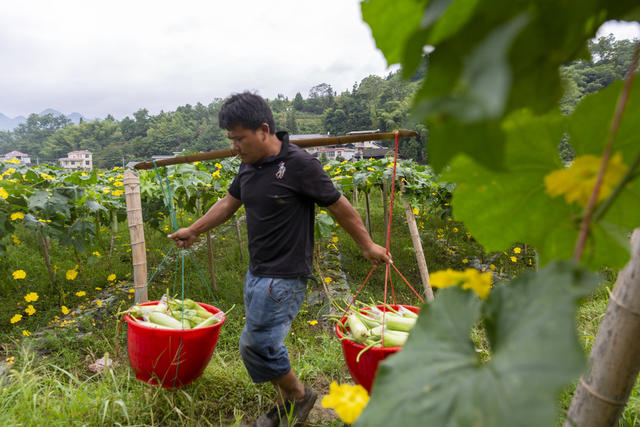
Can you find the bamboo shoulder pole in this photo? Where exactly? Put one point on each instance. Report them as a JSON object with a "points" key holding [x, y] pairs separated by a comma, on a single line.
{"points": [[614, 361], [136, 231], [304, 143]]}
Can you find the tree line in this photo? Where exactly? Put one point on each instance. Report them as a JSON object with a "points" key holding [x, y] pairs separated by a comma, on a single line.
{"points": [[373, 103]]}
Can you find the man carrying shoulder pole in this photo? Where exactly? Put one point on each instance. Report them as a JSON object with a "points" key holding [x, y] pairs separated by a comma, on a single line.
{"points": [[279, 185]]}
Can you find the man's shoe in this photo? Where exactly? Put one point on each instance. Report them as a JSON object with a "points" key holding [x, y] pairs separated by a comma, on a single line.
{"points": [[271, 418], [301, 409], [295, 412]]}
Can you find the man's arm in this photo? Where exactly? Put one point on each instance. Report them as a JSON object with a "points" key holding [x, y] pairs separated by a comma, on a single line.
{"points": [[221, 211], [349, 218]]}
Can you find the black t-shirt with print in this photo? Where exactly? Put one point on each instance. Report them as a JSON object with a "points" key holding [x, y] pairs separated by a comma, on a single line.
{"points": [[279, 194]]}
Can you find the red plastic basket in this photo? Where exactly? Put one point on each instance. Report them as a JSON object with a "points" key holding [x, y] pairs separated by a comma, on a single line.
{"points": [[363, 372], [171, 357]]}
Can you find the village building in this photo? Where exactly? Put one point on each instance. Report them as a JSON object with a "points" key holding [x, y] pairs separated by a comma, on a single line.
{"points": [[81, 159], [21, 157]]}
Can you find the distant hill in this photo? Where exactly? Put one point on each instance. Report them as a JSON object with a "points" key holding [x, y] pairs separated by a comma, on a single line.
{"points": [[8, 123]]}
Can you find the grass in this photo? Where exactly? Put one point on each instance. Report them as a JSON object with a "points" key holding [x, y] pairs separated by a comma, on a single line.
{"points": [[49, 379]]}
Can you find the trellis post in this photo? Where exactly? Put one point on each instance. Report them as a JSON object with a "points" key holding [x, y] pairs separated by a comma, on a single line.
{"points": [[136, 231]]}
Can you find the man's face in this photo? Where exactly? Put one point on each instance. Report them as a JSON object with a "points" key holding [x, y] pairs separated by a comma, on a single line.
{"points": [[249, 144]]}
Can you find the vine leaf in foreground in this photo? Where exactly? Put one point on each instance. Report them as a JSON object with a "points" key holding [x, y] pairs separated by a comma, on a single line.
{"points": [[438, 378]]}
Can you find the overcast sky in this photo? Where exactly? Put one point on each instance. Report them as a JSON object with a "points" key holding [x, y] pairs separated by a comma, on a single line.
{"points": [[115, 57]]}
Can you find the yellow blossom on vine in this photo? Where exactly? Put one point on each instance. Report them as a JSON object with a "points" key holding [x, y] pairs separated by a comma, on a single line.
{"points": [[216, 174], [30, 310], [26, 333], [327, 167], [335, 239], [64, 310], [71, 274], [117, 193], [111, 277], [513, 259], [31, 297], [218, 165], [99, 303], [347, 400], [96, 253], [517, 250], [118, 184], [328, 280], [16, 216], [3, 193], [16, 318], [312, 322], [80, 293], [416, 211], [577, 182], [19, 274], [470, 278], [492, 267], [15, 239]]}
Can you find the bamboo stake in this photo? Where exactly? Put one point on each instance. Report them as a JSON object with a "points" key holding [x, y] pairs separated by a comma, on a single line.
{"points": [[212, 271], [114, 231], [385, 203], [355, 197], [614, 361], [47, 260], [304, 143], [368, 214], [136, 231], [417, 248]]}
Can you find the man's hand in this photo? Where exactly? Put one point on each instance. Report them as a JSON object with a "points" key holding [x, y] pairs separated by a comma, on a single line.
{"points": [[184, 237], [377, 254]]}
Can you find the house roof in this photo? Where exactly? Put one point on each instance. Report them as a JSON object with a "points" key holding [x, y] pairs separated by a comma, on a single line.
{"points": [[16, 153], [79, 152]]}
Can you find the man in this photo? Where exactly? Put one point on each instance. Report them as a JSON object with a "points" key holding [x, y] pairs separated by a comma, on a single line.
{"points": [[279, 184]]}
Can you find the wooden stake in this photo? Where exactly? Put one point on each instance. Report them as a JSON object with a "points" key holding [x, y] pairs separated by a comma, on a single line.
{"points": [[136, 231], [47, 260], [417, 247], [614, 361]]}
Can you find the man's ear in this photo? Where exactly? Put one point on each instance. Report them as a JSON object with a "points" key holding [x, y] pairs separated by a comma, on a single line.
{"points": [[265, 128]]}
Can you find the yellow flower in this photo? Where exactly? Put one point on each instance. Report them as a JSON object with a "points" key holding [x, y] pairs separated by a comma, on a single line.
{"points": [[416, 211], [347, 400], [470, 278], [15, 239], [131, 291], [517, 250], [99, 303], [118, 184], [16, 318], [26, 333], [513, 259], [328, 280], [64, 310], [98, 289], [492, 267], [117, 193], [96, 253], [577, 182], [19, 274], [218, 165], [369, 168], [327, 167], [465, 261], [216, 174], [71, 274], [17, 215], [455, 229], [30, 310], [335, 239], [312, 322], [3, 193], [31, 297], [80, 293], [111, 277], [44, 221]]}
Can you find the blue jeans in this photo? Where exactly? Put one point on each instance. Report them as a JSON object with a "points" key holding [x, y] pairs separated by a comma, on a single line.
{"points": [[270, 305]]}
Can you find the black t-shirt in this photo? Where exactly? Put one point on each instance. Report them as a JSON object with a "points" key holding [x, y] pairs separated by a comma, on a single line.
{"points": [[279, 194]]}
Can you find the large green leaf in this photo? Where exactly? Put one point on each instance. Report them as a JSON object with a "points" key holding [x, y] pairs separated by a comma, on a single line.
{"points": [[438, 378]]}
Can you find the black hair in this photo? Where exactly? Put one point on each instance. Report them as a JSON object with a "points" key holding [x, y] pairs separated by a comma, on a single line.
{"points": [[247, 110]]}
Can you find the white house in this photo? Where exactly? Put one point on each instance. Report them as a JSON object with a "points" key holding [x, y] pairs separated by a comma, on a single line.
{"points": [[81, 159], [22, 157]]}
